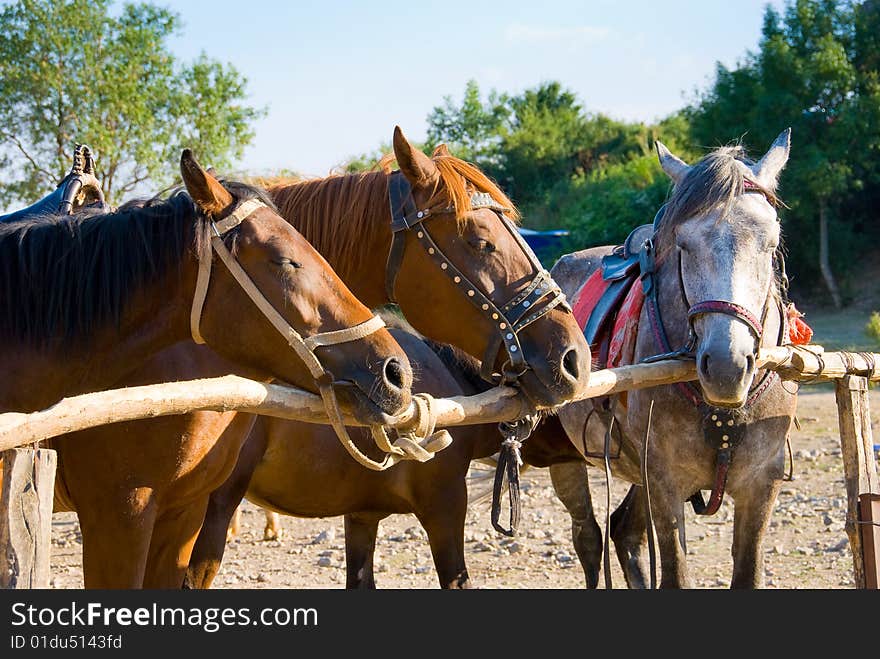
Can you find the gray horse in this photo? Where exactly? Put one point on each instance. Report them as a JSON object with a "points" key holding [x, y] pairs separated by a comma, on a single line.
{"points": [[718, 292]]}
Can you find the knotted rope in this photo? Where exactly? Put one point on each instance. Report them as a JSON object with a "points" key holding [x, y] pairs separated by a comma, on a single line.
{"points": [[419, 443]]}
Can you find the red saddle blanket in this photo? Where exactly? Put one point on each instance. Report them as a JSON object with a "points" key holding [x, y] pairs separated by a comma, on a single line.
{"points": [[616, 342]]}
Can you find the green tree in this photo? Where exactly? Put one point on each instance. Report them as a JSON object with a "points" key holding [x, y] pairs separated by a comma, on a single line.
{"points": [[71, 72], [471, 130], [816, 71]]}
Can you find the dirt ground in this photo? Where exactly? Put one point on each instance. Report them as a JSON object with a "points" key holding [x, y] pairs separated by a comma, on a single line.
{"points": [[805, 547]]}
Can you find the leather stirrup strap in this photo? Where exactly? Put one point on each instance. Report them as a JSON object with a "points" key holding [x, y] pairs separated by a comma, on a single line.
{"points": [[235, 218]]}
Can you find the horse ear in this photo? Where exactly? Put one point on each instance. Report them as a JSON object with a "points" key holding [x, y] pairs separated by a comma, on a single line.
{"points": [[767, 169], [418, 168], [674, 166], [210, 196], [441, 150]]}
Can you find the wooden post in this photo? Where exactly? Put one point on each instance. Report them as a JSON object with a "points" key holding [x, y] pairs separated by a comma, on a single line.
{"points": [[859, 466], [28, 488]]}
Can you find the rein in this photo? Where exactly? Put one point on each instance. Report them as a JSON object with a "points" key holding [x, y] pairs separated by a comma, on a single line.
{"points": [[723, 428], [421, 447], [510, 318]]}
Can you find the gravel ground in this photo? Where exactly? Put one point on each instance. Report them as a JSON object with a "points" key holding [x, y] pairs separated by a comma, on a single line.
{"points": [[806, 545]]}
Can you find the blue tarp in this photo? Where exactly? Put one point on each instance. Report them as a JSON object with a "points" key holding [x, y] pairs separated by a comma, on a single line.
{"points": [[543, 240]]}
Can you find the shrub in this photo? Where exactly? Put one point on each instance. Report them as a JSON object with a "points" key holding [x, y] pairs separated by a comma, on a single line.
{"points": [[872, 329]]}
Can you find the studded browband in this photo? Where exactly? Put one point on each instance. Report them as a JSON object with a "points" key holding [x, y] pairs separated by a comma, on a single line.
{"points": [[509, 319]]}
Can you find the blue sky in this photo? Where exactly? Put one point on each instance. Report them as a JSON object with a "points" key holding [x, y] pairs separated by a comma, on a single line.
{"points": [[337, 76]]}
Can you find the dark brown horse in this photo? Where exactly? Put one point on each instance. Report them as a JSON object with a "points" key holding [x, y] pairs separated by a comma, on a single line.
{"points": [[149, 519], [285, 466], [87, 299]]}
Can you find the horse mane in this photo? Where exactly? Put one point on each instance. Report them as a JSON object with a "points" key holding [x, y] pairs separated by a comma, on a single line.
{"points": [[337, 213], [464, 367], [66, 276]]}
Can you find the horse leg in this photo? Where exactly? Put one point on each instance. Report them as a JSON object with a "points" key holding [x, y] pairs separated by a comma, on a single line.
{"points": [[629, 532], [207, 553], [361, 530], [171, 545], [750, 520], [272, 530], [444, 525], [234, 524], [667, 506], [572, 486], [116, 541]]}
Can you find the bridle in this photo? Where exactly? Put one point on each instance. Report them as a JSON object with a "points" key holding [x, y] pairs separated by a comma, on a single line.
{"points": [[732, 309], [406, 447], [304, 348], [532, 302]]}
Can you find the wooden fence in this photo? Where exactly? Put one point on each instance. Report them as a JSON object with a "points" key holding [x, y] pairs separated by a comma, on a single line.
{"points": [[28, 473]]}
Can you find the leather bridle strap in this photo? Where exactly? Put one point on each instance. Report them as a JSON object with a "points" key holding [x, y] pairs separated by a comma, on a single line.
{"points": [[731, 309], [413, 446], [508, 320], [204, 277], [304, 348]]}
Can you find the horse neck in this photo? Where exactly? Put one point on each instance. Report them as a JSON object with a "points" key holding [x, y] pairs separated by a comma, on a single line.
{"points": [[156, 317], [362, 265]]}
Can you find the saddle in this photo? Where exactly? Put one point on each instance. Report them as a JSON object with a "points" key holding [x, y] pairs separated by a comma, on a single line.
{"points": [[608, 305], [79, 189]]}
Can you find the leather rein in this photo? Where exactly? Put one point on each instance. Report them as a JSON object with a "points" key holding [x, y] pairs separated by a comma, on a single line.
{"points": [[509, 319], [406, 447], [723, 428]]}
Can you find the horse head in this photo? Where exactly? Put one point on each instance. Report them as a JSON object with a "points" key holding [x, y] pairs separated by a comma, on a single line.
{"points": [[462, 274], [310, 330], [721, 228]]}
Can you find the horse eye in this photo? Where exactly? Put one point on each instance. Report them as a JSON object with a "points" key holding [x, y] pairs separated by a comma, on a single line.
{"points": [[482, 246], [287, 263]]}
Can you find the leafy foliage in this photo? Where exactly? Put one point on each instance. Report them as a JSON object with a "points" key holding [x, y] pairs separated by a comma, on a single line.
{"points": [[816, 71], [71, 71]]}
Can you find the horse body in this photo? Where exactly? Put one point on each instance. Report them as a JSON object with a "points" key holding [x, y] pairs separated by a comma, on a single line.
{"points": [[721, 251], [285, 466], [143, 519]]}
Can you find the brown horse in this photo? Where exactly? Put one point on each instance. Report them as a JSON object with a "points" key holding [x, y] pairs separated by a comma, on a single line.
{"points": [[285, 466], [140, 522], [87, 299]]}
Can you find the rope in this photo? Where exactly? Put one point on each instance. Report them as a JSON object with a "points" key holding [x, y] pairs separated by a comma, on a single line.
{"points": [[420, 443]]}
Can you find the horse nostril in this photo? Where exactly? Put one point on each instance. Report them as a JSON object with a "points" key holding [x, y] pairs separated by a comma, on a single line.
{"points": [[750, 363], [570, 364], [393, 373], [704, 365]]}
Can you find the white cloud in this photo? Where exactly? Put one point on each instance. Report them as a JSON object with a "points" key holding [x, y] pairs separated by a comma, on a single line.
{"points": [[570, 36]]}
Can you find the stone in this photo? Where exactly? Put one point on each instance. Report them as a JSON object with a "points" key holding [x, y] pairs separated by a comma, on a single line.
{"points": [[326, 535], [325, 561]]}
